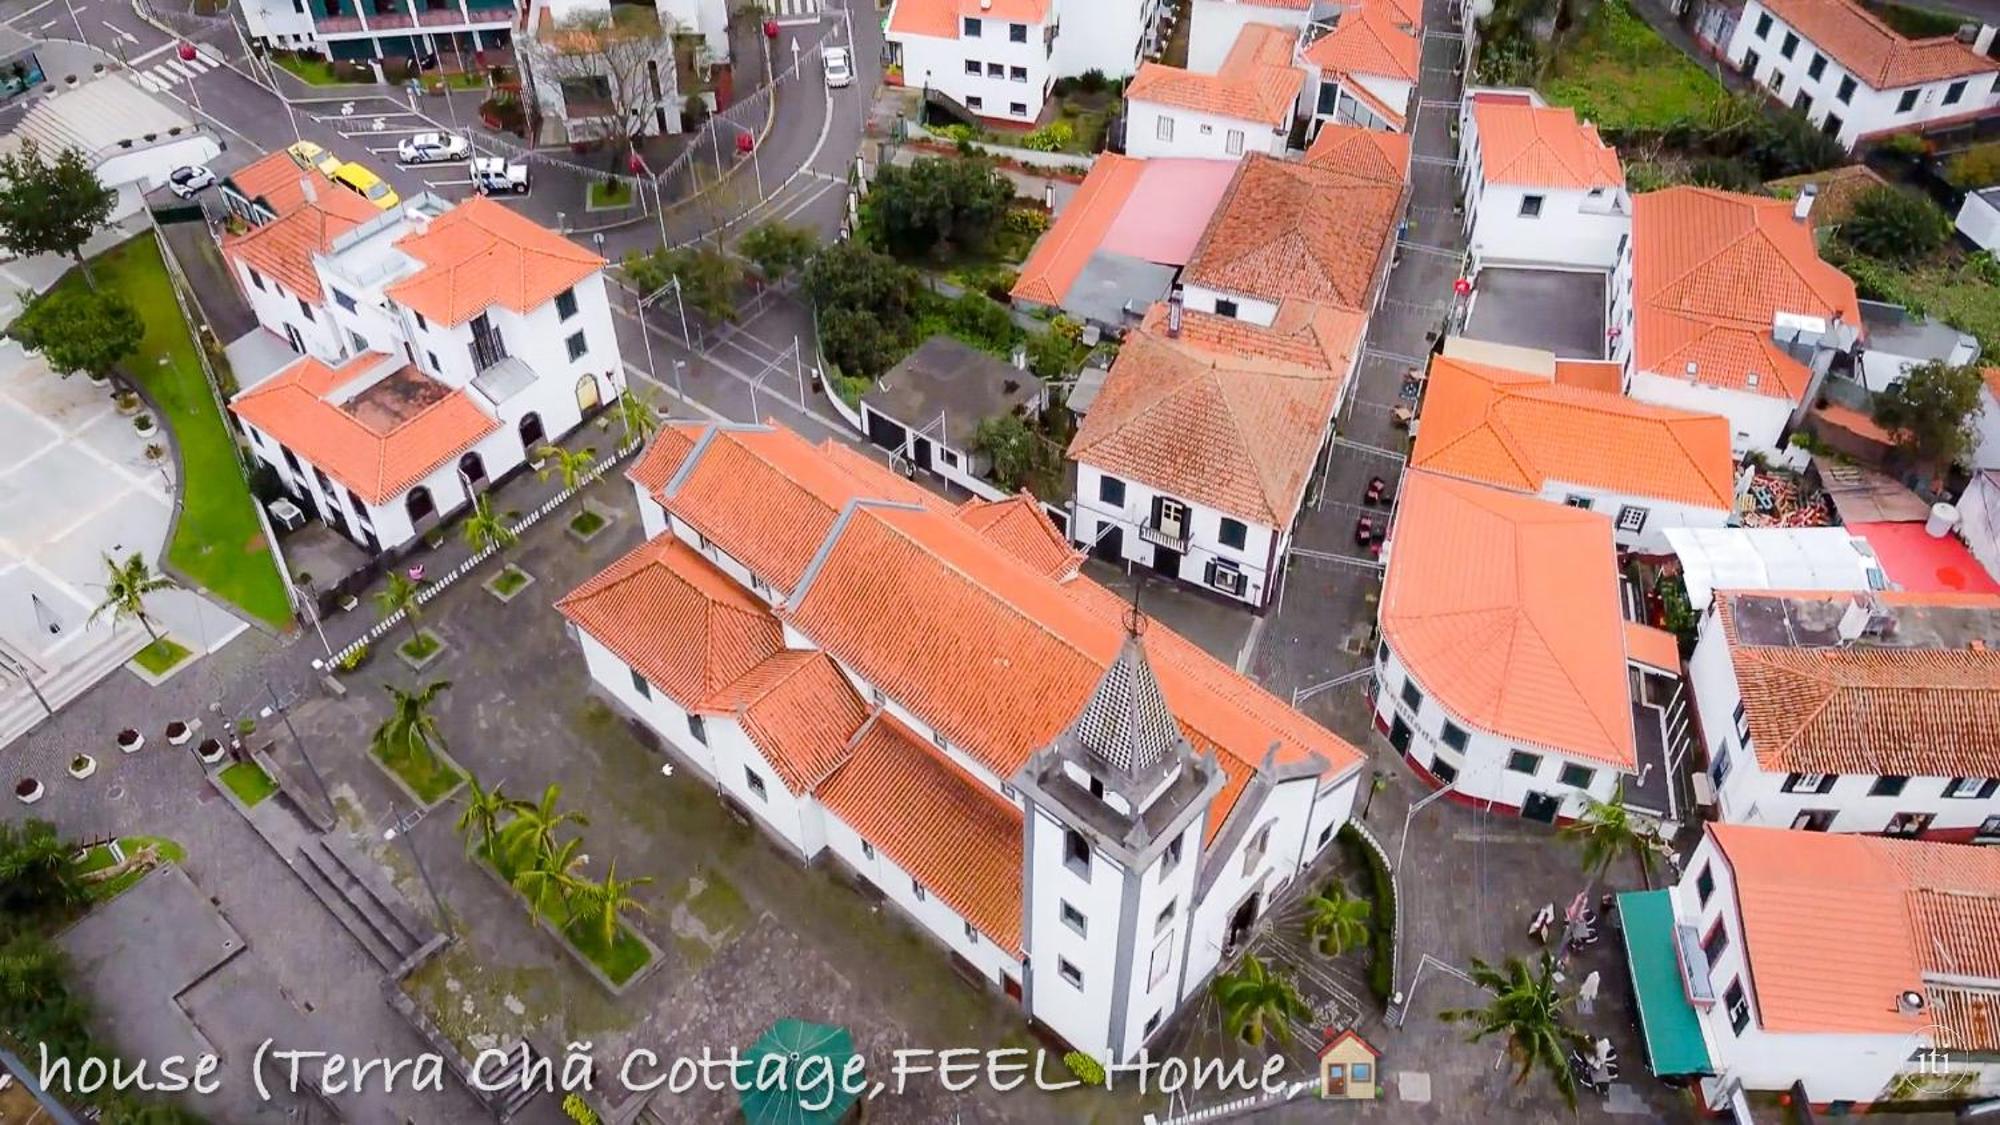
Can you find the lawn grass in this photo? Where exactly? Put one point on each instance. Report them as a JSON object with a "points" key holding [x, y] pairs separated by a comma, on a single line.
{"points": [[99, 858], [218, 541], [314, 72], [586, 522], [427, 775], [510, 580], [420, 646], [622, 958], [161, 656], [249, 782], [615, 193], [1948, 288], [1620, 74]]}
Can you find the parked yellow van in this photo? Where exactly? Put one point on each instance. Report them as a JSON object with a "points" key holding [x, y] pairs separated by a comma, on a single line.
{"points": [[309, 155], [366, 184]]}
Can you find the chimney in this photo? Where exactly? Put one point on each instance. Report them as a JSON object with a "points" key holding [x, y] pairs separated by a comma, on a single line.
{"points": [[1174, 316], [1803, 205], [306, 188], [1691, 371]]}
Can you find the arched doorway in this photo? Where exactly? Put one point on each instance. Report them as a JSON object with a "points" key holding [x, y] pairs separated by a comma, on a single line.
{"points": [[419, 505], [533, 437], [473, 468], [587, 396]]}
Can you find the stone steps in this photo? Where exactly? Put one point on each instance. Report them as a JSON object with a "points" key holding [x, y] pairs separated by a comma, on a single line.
{"points": [[369, 913], [20, 712]]}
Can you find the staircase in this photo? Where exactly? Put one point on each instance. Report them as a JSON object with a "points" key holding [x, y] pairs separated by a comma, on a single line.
{"points": [[21, 712], [359, 899]]}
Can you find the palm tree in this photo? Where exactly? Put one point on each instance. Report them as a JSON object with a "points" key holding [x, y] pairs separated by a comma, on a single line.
{"points": [[484, 528], [604, 902], [1337, 920], [1607, 830], [639, 413], [538, 824], [552, 874], [125, 591], [483, 812], [572, 466], [1527, 1007], [411, 728], [1251, 995], [400, 596]]}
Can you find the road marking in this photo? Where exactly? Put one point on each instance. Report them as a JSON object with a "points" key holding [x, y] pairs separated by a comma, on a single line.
{"points": [[30, 11], [148, 82], [632, 372], [175, 68], [731, 370], [121, 32], [49, 24], [159, 50]]}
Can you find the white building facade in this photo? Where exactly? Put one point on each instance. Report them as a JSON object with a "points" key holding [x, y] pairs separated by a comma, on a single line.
{"points": [[1550, 195]]}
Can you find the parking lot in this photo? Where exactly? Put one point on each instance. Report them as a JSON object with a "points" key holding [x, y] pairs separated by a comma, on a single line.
{"points": [[1557, 310]]}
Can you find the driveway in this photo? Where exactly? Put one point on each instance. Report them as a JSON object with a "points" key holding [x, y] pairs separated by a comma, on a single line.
{"points": [[1558, 310]]}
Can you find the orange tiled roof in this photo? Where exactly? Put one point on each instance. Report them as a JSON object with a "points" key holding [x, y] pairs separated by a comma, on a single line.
{"points": [[1909, 912], [1227, 415], [776, 491], [1530, 642], [284, 248], [279, 183], [1869, 708], [686, 626], [1520, 431], [943, 19], [377, 453], [1288, 229], [1018, 526], [1371, 155], [1371, 39], [1991, 377], [1060, 255], [1655, 648], [1876, 53], [799, 711], [1591, 374], [1256, 81], [480, 254], [1543, 146], [959, 839], [1711, 270]]}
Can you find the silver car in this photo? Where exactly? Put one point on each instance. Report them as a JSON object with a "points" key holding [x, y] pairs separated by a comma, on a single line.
{"points": [[187, 182], [432, 148], [838, 65]]}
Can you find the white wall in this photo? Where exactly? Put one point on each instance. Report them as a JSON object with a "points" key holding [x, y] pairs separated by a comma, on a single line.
{"points": [[1660, 515], [1573, 229], [1979, 220], [1881, 369], [1093, 513], [1833, 1066], [1482, 766], [1209, 136], [941, 63], [708, 18], [150, 165], [1255, 310], [277, 307], [1986, 431], [1103, 35], [279, 21], [931, 913], [1286, 811], [1866, 110], [1755, 421], [1158, 948], [1081, 1015], [1217, 23]]}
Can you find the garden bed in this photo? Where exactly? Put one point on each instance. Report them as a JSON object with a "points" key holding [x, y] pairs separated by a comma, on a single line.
{"points": [[419, 651], [428, 776], [617, 966], [1619, 74], [162, 656], [102, 858], [611, 195], [508, 584], [588, 524], [249, 782], [1381, 890]]}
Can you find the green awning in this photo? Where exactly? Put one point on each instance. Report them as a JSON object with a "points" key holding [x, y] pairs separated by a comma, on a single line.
{"points": [[824, 1098], [1671, 1025]]}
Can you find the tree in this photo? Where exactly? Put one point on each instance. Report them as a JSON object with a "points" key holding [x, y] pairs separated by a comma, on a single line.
{"points": [[1252, 995], [1050, 354], [1932, 411], [571, 466], [639, 413], [935, 205], [1008, 442], [778, 249], [1337, 920], [484, 528], [539, 823], [411, 729], [1606, 831], [1975, 168], [599, 63], [401, 596], [550, 877], [51, 206], [708, 277], [81, 330], [1527, 1009], [125, 589], [603, 902], [1895, 225], [36, 876], [867, 306], [481, 817]]}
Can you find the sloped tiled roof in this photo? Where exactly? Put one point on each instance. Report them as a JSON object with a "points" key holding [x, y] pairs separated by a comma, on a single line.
{"points": [[957, 838], [1506, 610], [283, 248], [1256, 81], [1871, 708], [1368, 40], [378, 453], [798, 710], [1542, 146], [1369, 155], [1711, 270], [480, 254], [942, 19], [1294, 230], [279, 183], [1910, 915], [1227, 415], [1019, 526], [1519, 431], [683, 624], [1877, 54], [1061, 253]]}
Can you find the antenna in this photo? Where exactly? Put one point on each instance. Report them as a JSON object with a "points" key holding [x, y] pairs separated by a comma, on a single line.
{"points": [[1135, 619]]}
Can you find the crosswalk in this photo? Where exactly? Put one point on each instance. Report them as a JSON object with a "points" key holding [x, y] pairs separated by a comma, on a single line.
{"points": [[172, 71], [798, 7]]}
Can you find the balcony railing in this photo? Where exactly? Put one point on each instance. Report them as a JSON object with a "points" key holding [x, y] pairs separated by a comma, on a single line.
{"points": [[1159, 537]]}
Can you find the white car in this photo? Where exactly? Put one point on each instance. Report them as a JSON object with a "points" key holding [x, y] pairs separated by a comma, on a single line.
{"points": [[491, 174], [188, 181], [838, 65], [432, 148]]}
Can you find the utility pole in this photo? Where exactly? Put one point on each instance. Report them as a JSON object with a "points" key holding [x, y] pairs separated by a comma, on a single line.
{"points": [[399, 829], [285, 716]]}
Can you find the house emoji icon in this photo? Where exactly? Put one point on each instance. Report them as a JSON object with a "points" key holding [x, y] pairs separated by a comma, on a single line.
{"points": [[1347, 1066]]}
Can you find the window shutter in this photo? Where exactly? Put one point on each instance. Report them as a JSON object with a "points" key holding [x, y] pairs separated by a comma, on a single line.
{"points": [[1158, 503], [1208, 574], [1991, 787]]}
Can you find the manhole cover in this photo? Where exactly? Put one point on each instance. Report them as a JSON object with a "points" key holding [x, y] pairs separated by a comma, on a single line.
{"points": [[115, 793]]}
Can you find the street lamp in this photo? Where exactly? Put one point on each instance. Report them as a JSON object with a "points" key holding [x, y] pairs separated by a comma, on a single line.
{"points": [[399, 829]]}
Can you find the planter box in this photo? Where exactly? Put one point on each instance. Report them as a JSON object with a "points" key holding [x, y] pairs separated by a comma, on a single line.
{"points": [[83, 767], [136, 743], [605, 520], [181, 739], [397, 779], [652, 951], [494, 585], [31, 795], [418, 664]]}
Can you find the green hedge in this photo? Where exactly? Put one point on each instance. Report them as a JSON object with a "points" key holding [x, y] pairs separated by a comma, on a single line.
{"points": [[1382, 923]]}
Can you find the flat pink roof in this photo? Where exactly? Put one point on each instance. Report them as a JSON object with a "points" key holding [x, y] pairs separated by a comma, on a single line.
{"points": [[1921, 564], [1168, 209]]}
